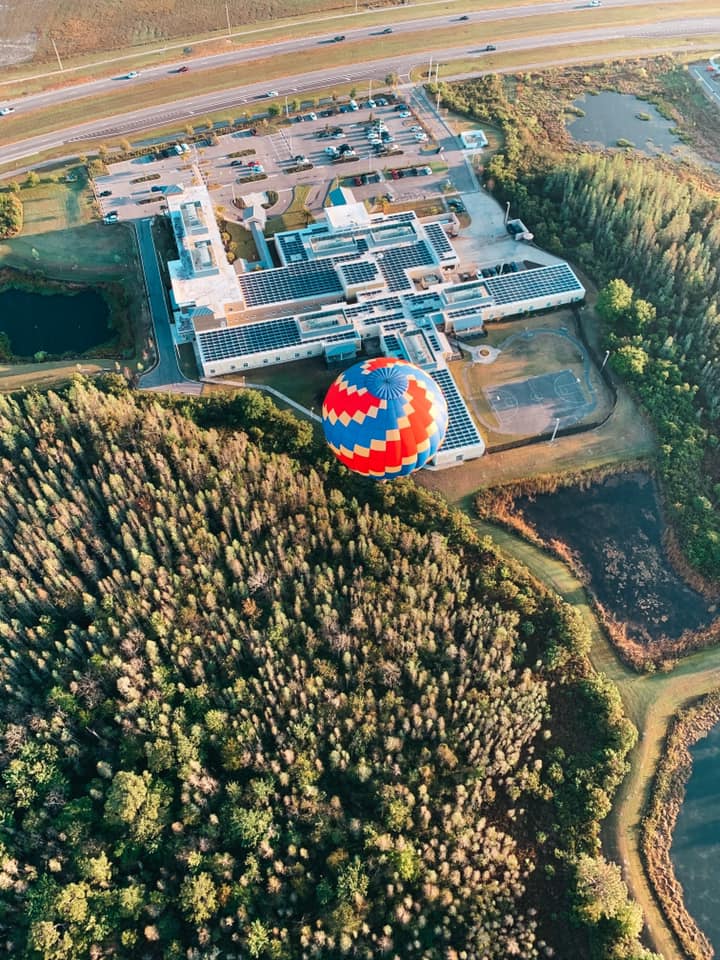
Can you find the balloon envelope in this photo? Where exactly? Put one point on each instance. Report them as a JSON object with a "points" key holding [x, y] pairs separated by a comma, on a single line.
{"points": [[384, 418]]}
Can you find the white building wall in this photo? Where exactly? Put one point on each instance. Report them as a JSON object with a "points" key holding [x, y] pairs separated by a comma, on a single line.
{"points": [[219, 368]]}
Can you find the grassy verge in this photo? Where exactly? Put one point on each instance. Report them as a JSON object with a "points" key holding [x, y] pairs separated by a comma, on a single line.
{"points": [[650, 701], [275, 28], [172, 87], [579, 52], [53, 373]]}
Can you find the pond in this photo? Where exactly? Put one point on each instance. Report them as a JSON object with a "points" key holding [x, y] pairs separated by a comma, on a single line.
{"points": [[610, 117], [615, 529], [56, 323], [695, 848]]}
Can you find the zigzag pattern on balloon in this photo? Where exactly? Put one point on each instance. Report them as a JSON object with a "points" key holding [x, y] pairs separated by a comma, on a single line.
{"points": [[384, 418]]}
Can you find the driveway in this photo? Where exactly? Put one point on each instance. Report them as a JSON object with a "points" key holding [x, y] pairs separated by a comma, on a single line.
{"points": [[166, 371]]}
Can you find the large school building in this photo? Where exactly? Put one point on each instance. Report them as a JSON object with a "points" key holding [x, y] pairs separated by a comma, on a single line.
{"points": [[351, 279]]}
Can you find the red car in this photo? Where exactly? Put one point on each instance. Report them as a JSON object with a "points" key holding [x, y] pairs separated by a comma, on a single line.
{"points": [[182, 69]]}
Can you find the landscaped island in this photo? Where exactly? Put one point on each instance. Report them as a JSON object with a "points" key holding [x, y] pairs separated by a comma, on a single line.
{"points": [[245, 711]]}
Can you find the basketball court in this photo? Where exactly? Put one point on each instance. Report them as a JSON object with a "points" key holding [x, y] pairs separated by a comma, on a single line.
{"points": [[536, 404]]}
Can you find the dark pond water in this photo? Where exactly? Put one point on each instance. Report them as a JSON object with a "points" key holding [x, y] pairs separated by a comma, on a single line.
{"points": [[54, 323], [695, 849], [610, 117], [615, 529]]}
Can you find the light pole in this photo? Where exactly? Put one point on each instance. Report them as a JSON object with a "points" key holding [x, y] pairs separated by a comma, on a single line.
{"points": [[605, 360], [507, 211], [227, 16], [557, 424]]}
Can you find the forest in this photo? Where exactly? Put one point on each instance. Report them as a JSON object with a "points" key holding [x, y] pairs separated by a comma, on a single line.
{"points": [[252, 708], [647, 231]]}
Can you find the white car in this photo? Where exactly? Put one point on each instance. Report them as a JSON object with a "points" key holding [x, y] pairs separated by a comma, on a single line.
{"points": [[4, 111], [594, 3], [272, 93], [132, 75], [421, 137]]}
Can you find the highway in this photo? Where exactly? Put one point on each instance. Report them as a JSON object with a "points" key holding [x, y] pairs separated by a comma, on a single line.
{"points": [[678, 34], [262, 49]]}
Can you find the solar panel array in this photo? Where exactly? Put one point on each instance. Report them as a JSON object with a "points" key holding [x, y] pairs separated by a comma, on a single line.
{"points": [[531, 284], [405, 217], [422, 303], [432, 339], [374, 306], [438, 238], [293, 249], [251, 338], [360, 271], [316, 278], [464, 312], [396, 260], [392, 344], [461, 431]]}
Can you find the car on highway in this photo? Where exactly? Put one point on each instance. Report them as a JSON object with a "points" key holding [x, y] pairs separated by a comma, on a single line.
{"points": [[464, 17], [594, 3], [132, 75], [386, 30], [183, 69], [105, 193], [339, 38], [272, 93], [4, 111], [490, 46]]}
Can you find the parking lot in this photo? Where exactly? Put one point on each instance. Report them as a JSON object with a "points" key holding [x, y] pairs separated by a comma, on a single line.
{"points": [[315, 148]]}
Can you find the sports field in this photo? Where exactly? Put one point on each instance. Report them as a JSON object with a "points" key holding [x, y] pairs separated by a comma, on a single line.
{"points": [[532, 375]]}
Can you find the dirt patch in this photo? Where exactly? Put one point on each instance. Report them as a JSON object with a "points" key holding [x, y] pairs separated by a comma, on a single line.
{"points": [[613, 530]]}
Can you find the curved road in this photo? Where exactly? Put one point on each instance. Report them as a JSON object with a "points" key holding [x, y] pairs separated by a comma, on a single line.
{"points": [[677, 32]]}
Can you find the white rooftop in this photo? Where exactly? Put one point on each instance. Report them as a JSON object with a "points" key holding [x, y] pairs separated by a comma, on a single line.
{"points": [[350, 216]]}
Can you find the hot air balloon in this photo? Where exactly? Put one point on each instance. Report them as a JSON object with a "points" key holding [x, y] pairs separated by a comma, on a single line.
{"points": [[384, 418]]}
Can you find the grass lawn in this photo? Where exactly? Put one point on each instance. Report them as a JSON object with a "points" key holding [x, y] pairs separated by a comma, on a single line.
{"points": [[56, 203], [242, 241], [95, 251], [306, 381], [295, 217], [171, 87]]}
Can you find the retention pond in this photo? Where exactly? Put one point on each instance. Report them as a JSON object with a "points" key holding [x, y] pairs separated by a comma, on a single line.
{"points": [[615, 530], [610, 117], [54, 323], [696, 840]]}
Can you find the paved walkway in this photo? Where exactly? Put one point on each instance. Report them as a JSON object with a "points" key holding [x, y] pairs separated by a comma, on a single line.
{"points": [[166, 370]]}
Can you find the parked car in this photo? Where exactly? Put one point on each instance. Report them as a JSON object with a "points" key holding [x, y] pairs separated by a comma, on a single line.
{"points": [[237, 163], [344, 148], [310, 116], [155, 189], [300, 158], [108, 193], [357, 181], [338, 135], [371, 104], [381, 101], [405, 114], [331, 151], [111, 216], [4, 111]]}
